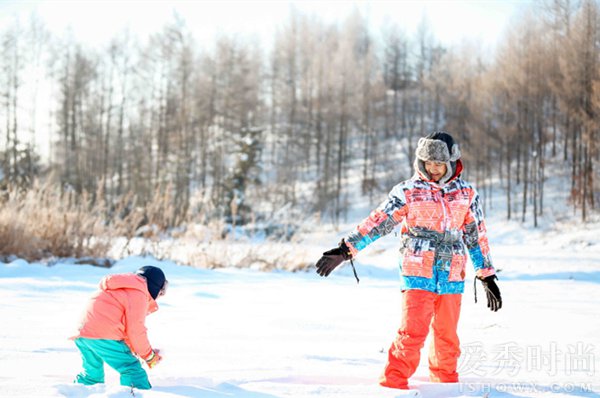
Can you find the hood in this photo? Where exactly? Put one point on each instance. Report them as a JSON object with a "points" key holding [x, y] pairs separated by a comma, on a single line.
{"points": [[129, 281], [124, 281]]}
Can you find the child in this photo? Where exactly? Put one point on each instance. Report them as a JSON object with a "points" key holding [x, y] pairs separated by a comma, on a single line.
{"points": [[113, 330]]}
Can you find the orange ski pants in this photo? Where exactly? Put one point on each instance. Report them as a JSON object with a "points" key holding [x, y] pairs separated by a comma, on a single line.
{"points": [[422, 310]]}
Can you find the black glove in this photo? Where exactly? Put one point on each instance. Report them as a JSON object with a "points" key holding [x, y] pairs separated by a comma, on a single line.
{"points": [[493, 292], [332, 258]]}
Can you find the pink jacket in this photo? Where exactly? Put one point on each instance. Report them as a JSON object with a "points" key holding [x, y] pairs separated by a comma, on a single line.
{"points": [[118, 312], [439, 225]]}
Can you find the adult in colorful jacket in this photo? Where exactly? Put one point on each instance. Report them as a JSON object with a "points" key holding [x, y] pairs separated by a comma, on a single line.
{"points": [[440, 215], [113, 327]]}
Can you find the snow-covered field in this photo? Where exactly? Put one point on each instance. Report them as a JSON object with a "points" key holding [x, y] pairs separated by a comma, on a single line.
{"points": [[247, 334]]}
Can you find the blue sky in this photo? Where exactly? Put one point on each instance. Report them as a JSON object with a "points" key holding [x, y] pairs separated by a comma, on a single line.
{"points": [[95, 22]]}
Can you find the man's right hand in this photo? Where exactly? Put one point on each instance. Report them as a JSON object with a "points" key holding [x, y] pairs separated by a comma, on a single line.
{"points": [[332, 258]]}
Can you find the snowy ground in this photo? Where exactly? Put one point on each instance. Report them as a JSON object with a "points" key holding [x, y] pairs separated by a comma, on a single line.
{"points": [[247, 334]]}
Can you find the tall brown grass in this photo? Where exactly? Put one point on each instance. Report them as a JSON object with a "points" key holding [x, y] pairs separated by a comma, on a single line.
{"points": [[44, 223]]}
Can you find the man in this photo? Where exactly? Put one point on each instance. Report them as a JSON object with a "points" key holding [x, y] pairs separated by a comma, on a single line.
{"points": [[440, 215]]}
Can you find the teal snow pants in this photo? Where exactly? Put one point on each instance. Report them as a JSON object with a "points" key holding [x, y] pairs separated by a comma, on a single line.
{"points": [[117, 355]]}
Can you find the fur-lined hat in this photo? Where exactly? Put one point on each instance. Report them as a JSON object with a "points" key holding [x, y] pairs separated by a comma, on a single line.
{"points": [[439, 147]]}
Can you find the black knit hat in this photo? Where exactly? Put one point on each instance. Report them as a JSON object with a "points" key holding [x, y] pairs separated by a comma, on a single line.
{"points": [[155, 279]]}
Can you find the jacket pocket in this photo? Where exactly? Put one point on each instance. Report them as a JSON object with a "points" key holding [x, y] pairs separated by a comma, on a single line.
{"points": [[457, 268], [417, 263]]}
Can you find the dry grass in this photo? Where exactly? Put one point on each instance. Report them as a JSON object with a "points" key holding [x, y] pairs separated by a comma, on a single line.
{"points": [[45, 223], [203, 246], [266, 256]]}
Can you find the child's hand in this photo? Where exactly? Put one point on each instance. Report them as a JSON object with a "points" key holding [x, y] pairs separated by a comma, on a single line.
{"points": [[153, 359]]}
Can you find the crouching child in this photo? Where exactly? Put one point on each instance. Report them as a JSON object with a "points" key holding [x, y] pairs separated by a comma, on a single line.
{"points": [[113, 329]]}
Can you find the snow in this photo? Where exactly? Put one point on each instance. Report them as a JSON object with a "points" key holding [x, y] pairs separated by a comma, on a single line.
{"points": [[248, 334]]}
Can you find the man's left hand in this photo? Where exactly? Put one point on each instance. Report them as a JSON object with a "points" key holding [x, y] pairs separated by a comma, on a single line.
{"points": [[492, 291]]}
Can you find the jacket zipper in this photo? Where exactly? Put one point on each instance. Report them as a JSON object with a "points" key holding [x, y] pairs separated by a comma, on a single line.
{"points": [[444, 212]]}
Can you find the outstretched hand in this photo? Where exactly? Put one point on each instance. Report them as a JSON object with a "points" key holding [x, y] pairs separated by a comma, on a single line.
{"points": [[332, 258]]}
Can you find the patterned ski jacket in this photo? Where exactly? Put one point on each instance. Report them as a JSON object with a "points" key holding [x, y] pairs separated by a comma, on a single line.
{"points": [[117, 311], [438, 222]]}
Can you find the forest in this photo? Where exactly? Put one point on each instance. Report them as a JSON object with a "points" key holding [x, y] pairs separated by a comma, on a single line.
{"points": [[156, 133]]}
